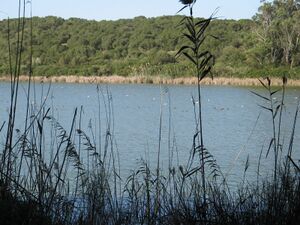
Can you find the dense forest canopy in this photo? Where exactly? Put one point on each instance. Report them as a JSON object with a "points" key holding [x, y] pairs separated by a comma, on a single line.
{"points": [[279, 32], [266, 45]]}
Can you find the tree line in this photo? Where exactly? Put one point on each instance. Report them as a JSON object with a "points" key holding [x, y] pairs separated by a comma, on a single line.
{"points": [[266, 45]]}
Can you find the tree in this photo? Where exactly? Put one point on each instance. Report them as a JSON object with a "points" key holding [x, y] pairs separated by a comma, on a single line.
{"points": [[280, 29]]}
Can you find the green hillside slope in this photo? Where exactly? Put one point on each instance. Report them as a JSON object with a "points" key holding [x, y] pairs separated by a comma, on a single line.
{"points": [[147, 46]]}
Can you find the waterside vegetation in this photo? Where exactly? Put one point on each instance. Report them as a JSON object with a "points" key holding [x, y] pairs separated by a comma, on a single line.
{"points": [[114, 79], [51, 175], [267, 45]]}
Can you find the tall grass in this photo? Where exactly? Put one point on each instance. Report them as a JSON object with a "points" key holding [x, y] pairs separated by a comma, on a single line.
{"points": [[53, 175]]}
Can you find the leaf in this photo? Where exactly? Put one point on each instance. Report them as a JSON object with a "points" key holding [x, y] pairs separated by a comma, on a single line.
{"points": [[205, 72], [190, 173], [215, 173], [276, 111], [40, 127], [182, 21], [295, 165], [2, 126], [205, 62], [182, 49], [270, 145], [182, 8], [117, 175], [190, 26], [211, 161], [207, 59], [202, 29], [263, 84], [191, 38], [274, 92], [215, 37], [259, 95], [203, 21], [269, 109], [200, 42], [46, 114], [203, 54], [247, 164], [190, 58]]}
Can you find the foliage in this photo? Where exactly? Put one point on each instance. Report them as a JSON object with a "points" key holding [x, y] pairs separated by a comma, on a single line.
{"points": [[279, 32], [202, 60], [263, 46]]}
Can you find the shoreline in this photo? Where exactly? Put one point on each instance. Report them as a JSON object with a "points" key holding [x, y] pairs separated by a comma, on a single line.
{"points": [[114, 79]]}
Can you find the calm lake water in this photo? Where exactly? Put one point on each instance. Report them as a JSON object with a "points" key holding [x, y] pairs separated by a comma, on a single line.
{"points": [[234, 125]]}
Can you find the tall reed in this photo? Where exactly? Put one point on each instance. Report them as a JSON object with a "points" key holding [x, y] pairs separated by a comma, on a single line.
{"points": [[202, 60], [53, 175]]}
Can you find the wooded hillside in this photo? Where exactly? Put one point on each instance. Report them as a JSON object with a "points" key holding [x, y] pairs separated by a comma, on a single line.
{"points": [[266, 45]]}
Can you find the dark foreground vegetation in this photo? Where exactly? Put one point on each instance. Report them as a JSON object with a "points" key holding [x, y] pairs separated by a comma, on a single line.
{"points": [[54, 175], [267, 45]]}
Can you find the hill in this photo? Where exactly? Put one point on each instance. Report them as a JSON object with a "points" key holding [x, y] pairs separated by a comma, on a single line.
{"points": [[147, 46]]}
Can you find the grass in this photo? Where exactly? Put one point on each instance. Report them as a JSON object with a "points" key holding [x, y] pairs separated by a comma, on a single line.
{"points": [[114, 79], [50, 174]]}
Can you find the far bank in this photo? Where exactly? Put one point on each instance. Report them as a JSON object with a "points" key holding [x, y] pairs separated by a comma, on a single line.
{"points": [[115, 79]]}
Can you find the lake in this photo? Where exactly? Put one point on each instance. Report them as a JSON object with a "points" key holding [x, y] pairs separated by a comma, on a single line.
{"points": [[234, 126]]}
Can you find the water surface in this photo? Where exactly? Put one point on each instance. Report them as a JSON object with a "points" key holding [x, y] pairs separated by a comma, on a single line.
{"points": [[234, 125]]}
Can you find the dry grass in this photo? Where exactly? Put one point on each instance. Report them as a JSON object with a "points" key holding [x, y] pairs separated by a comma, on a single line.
{"points": [[115, 79]]}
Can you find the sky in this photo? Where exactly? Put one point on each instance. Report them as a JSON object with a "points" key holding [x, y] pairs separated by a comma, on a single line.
{"points": [[120, 9]]}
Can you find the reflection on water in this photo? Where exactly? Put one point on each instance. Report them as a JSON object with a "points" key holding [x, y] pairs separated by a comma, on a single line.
{"points": [[234, 125]]}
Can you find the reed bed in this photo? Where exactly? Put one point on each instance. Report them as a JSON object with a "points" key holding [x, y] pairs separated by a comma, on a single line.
{"points": [[115, 79]]}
